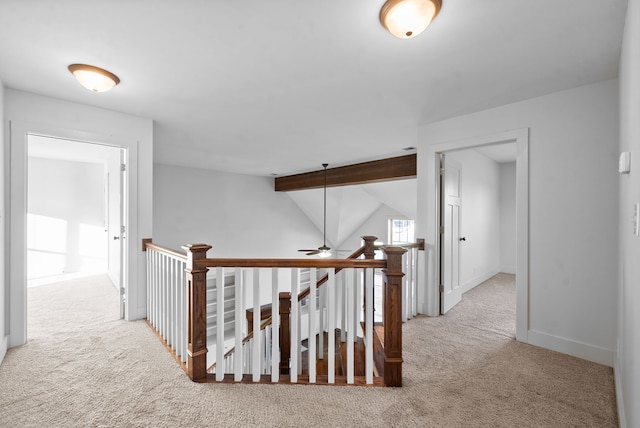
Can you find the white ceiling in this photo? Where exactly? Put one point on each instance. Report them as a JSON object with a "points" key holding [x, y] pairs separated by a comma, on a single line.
{"points": [[281, 86]]}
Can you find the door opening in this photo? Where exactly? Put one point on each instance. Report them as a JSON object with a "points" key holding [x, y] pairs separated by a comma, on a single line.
{"points": [[75, 204], [441, 276]]}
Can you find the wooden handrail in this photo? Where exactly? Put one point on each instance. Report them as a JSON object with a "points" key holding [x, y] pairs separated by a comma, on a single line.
{"points": [[290, 263], [168, 251]]}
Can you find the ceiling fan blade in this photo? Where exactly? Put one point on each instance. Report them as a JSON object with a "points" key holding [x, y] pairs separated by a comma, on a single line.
{"points": [[304, 251], [313, 252]]}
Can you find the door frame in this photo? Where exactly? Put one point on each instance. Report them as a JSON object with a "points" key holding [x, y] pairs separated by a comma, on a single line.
{"points": [[16, 221], [431, 303]]}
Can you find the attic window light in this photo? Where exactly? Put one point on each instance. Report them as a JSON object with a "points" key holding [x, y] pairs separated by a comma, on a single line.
{"points": [[94, 78], [406, 19]]}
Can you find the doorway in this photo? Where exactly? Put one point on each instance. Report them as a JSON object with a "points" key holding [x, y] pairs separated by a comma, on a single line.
{"points": [[75, 211], [477, 221], [434, 214], [19, 132]]}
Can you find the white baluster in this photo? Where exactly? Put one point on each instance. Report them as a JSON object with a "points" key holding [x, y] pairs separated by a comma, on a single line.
{"points": [[239, 318], [156, 269], [149, 294], [415, 281], [311, 306], [172, 294], [163, 307], [256, 325], [295, 343], [220, 323], [275, 322], [368, 283], [404, 288], [350, 291], [342, 305], [182, 317], [322, 291], [357, 304], [265, 349], [331, 320]]}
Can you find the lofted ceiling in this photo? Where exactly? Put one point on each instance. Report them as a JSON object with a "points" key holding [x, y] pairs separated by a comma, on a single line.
{"points": [[262, 87]]}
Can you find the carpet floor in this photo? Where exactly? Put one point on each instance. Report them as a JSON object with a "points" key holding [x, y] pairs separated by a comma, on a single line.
{"points": [[84, 367]]}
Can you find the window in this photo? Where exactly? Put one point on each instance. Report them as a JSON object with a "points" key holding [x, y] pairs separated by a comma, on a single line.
{"points": [[401, 231]]}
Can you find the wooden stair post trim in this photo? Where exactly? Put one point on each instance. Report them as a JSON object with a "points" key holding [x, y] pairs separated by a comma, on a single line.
{"points": [[393, 316], [196, 312], [285, 332], [369, 247]]}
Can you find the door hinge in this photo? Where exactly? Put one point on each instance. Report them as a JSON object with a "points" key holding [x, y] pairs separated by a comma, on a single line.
{"points": [[441, 171], [122, 291], [441, 288], [122, 229], [441, 230], [123, 167]]}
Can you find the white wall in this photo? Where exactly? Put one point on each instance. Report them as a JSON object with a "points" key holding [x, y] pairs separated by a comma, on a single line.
{"points": [[72, 192], [238, 215], [572, 215], [479, 217], [508, 217], [4, 282], [30, 113], [627, 366]]}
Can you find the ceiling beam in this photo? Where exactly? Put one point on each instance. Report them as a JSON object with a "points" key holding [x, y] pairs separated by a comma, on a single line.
{"points": [[397, 168]]}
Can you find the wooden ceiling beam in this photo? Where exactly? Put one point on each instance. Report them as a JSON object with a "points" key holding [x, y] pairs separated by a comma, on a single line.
{"points": [[397, 168]]}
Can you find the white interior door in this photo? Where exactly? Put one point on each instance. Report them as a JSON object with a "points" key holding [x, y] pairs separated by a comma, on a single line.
{"points": [[451, 292], [123, 230], [116, 212]]}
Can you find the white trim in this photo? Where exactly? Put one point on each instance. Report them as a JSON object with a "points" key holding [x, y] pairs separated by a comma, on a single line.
{"points": [[622, 419], [571, 347], [430, 164], [18, 132], [3, 348], [474, 282]]}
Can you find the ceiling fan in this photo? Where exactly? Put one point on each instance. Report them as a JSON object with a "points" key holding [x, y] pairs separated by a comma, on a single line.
{"points": [[322, 251]]}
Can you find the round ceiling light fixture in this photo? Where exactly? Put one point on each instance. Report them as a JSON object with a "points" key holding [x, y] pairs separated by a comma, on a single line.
{"points": [[94, 78], [408, 18]]}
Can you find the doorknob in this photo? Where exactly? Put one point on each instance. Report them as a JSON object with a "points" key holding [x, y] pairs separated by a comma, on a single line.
{"points": [[463, 239], [115, 238]]}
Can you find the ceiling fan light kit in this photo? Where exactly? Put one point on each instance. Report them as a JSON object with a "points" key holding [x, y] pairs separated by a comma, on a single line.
{"points": [[94, 78], [406, 19]]}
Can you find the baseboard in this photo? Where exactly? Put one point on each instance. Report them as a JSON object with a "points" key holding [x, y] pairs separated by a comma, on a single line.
{"points": [[622, 420], [474, 282], [577, 349], [3, 348]]}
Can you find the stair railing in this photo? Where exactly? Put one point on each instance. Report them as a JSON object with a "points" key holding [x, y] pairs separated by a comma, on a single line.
{"points": [[367, 250], [257, 357], [167, 297]]}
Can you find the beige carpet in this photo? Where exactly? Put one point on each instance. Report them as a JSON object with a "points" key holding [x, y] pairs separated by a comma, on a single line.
{"points": [[84, 367]]}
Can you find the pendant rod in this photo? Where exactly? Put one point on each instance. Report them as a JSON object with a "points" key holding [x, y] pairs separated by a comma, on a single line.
{"points": [[324, 231]]}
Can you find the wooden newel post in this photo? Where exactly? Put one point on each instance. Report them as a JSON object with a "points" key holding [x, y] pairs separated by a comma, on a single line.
{"points": [[285, 331], [196, 312], [369, 246], [392, 302]]}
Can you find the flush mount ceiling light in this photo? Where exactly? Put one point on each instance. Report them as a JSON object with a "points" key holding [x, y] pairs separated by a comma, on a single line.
{"points": [[408, 18], [94, 78]]}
